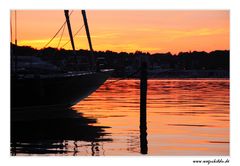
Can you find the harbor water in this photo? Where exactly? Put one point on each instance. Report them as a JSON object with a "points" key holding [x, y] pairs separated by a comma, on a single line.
{"points": [[185, 117]]}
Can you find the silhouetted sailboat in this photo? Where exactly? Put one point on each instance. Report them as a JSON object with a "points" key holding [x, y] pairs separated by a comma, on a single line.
{"points": [[53, 87]]}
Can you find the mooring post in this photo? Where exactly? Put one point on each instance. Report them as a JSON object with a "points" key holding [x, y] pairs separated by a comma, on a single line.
{"points": [[143, 107]]}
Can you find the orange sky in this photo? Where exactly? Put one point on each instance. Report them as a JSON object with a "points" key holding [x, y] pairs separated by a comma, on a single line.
{"points": [[130, 30]]}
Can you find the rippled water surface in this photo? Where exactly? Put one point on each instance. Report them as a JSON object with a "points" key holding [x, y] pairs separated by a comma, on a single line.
{"points": [[184, 117]]}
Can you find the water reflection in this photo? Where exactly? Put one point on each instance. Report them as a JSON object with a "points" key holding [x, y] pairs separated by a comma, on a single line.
{"points": [[55, 132], [184, 117]]}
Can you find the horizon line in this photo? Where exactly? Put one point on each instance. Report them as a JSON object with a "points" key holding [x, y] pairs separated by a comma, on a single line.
{"points": [[59, 49]]}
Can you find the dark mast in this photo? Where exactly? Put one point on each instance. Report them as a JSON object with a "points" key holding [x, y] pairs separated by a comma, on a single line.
{"points": [[92, 58], [66, 12]]}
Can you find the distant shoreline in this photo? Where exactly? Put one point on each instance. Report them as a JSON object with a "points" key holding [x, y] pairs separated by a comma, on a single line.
{"points": [[210, 78], [177, 78], [181, 74], [194, 64]]}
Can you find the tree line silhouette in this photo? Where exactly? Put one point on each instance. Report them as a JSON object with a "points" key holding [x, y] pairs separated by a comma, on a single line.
{"points": [[189, 64]]}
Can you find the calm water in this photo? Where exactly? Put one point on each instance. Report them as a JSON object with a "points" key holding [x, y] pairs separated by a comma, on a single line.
{"points": [[184, 117]]}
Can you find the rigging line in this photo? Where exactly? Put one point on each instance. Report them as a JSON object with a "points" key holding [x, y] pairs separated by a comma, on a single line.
{"points": [[55, 35], [107, 84], [57, 32], [61, 36], [15, 27], [73, 36], [11, 26]]}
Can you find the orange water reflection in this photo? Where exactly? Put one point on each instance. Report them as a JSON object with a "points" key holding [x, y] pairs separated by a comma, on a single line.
{"points": [[184, 117]]}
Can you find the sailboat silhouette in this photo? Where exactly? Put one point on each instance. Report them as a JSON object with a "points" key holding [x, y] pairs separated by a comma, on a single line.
{"points": [[53, 88]]}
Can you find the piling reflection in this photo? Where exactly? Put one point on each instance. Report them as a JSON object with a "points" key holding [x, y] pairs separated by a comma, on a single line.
{"points": [[143, 138], [54, 132]]}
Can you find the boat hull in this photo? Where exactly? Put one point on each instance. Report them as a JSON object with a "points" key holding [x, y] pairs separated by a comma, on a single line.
{"points": [[57, 91]]}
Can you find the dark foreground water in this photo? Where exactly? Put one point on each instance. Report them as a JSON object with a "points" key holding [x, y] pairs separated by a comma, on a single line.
{"points": [[184, 117]]}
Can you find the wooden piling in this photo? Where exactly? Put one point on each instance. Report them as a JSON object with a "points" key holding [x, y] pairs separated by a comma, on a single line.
{"points": [[143, 108]]}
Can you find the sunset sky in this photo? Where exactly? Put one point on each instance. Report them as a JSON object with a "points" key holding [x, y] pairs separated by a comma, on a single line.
{"points": [[129, 30]]}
